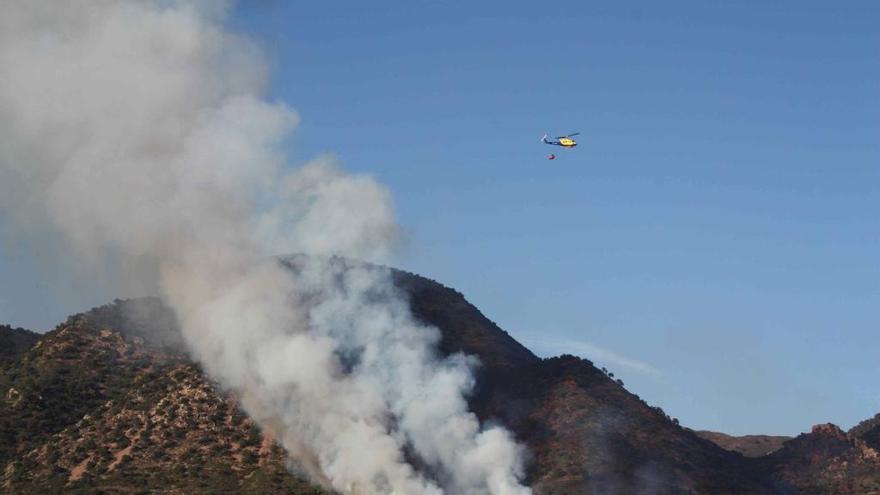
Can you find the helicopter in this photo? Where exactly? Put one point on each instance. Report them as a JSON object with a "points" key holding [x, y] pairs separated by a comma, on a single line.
{"points": [[564, 141]]}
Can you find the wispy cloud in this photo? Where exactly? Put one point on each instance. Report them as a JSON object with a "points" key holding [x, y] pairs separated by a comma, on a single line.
{"points": [[554, 346]]}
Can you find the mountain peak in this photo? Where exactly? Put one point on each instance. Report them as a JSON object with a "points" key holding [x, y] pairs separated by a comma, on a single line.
{"points": [[829, 430]]}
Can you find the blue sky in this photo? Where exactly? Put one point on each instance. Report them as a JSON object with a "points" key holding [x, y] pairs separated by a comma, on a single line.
{"points": [[713, 240]]}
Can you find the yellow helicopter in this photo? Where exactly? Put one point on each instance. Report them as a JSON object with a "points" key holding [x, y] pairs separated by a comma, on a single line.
{"points": [[564, 141]]}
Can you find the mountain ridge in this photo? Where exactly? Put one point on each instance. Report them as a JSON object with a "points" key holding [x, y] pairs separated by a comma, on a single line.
{"points": [[747, 445], [110, 401]]}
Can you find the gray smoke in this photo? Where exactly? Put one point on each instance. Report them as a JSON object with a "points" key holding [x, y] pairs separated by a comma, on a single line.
{"points": [[138, 130]]}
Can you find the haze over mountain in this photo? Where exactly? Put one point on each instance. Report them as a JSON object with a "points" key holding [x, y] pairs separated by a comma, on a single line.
{"points": [[110, 401]]}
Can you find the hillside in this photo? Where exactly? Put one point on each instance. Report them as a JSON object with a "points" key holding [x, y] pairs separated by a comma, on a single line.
{"points": [[869, 431], [747, 445], [825, 461], [109, 401], [14, 341], [585, 431]]}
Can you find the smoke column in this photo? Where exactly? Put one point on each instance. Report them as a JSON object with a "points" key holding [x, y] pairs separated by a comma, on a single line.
{"points": [[139, 130]]}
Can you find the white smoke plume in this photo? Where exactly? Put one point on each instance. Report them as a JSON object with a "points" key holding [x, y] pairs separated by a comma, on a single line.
{"points": [[139, 130]]}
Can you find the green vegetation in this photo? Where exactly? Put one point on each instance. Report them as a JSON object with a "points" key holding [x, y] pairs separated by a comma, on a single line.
{"points": [[14, 341], [866, 426]]}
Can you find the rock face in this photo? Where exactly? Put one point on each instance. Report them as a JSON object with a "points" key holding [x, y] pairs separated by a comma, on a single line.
{"points": [[109, 402], [825, 461]]}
